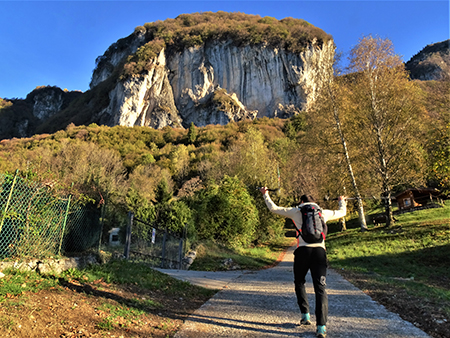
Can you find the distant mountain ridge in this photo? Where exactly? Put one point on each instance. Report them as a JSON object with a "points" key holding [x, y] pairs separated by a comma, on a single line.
{"points": [[431, 63]]}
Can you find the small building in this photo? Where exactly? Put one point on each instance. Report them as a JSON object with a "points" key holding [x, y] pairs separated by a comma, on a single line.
{"points": [[418, 197], [114, 238]]}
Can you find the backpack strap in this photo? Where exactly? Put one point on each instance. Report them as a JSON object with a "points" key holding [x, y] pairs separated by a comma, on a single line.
{"points": [[299, 231]]}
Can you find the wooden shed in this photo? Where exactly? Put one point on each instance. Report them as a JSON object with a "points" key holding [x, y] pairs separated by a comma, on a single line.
{"points": [[418, 197]]}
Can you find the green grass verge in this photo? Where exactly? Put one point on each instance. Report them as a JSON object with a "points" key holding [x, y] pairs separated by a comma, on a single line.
{"points": [[412, 254], [16, 282]]}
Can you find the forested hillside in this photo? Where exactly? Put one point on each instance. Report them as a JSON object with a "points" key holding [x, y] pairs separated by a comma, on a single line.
{"points": [[431, 63]]}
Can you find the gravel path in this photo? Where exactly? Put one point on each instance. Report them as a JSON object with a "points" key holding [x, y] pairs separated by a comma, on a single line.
{"points": [[263, 304]]}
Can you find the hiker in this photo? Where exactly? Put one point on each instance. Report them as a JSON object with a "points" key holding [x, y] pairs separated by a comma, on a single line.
{"points": [[309, 255]]}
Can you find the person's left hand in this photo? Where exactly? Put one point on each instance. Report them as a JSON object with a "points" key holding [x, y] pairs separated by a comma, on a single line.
{"points": [[263, 190]]}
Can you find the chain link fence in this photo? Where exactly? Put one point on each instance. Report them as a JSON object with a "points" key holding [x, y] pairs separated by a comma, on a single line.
{"points": [[153, 245], [34, 222]]}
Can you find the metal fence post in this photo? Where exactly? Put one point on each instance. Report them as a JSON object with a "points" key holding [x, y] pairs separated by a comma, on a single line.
{"points": [[180, 248], [128, 235], [102, 217], [64, 224], [9, 199], [163, 256]]}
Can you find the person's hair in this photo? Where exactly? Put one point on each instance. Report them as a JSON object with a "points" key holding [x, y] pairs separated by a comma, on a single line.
{"points": [[306, 198]]}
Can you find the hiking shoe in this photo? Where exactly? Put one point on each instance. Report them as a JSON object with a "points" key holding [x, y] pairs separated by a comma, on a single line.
{"points": [[306, 319], [321, 331]]}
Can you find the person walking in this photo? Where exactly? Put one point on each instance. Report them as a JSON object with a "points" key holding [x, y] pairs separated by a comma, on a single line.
{"points": [[309, 256]]}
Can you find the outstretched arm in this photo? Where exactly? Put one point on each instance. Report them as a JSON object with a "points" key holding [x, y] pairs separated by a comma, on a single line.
{"points": [[330, 215], [285, 212]]}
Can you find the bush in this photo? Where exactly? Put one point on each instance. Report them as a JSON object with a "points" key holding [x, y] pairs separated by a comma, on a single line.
{"points": [[226, 213]]}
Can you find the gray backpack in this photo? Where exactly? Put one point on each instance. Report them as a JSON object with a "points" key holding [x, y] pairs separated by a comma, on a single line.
{"points": [[313, 226]]}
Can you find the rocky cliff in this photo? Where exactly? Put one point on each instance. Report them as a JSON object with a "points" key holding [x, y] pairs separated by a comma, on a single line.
{"points": [[205, 68], [194, 86]]}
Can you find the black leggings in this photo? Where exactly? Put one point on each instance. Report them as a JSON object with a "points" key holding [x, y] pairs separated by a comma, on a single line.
{"points": [[314, 259]]}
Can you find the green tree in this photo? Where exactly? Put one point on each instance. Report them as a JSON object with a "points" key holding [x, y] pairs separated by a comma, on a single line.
{"points": [[251, 160], [289, 130], [142, 192], [179, 161], [175, 216], [163, 192], [299, 122], [192, 133]]}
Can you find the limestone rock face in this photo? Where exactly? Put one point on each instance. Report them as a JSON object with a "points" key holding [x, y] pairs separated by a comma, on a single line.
{"points": [[113, 56], [46, 103], [214, 83], [144, 100], [259, 78]]}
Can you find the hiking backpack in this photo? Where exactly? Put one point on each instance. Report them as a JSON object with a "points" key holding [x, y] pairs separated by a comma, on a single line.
{"points": [[313, 226]]}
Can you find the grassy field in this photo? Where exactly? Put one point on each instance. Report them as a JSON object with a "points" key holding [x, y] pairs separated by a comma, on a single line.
{"points": [[406, 267], [414, 251], [117, 299]]}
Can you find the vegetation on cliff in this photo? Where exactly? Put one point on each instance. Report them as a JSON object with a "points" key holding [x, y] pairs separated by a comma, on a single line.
{"points": [[189, 30]]}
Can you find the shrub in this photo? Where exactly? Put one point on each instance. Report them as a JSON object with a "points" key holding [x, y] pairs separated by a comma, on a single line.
{"points": [[226, 213]]}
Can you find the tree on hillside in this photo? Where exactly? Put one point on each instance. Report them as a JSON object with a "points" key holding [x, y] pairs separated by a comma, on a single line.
{"points": [[327, 106], [251, 160], [387, 116], [147, 187], [436, 99], [192, 133], [4, 103]]}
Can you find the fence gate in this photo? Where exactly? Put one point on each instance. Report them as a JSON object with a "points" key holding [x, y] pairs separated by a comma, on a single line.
{"points": [[154, 245]]}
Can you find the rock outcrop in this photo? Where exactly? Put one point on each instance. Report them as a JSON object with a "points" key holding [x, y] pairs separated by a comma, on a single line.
{"points": [[431, 63], [22, 116], [215, 83]]}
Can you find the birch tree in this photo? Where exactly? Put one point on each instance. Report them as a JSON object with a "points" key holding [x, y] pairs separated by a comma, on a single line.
{"points": [[326, 99], [387, 115]]}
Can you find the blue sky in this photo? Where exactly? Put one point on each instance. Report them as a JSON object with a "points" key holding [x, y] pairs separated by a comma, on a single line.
{"points": [[56, 42]]}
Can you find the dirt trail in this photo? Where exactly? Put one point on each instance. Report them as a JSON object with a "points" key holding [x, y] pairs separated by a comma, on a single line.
{"points": [[263, 304]]}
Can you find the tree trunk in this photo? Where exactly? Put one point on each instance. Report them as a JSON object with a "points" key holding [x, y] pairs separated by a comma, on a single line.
{"points": [[362, 218], [343, 224], [388, 208]]}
